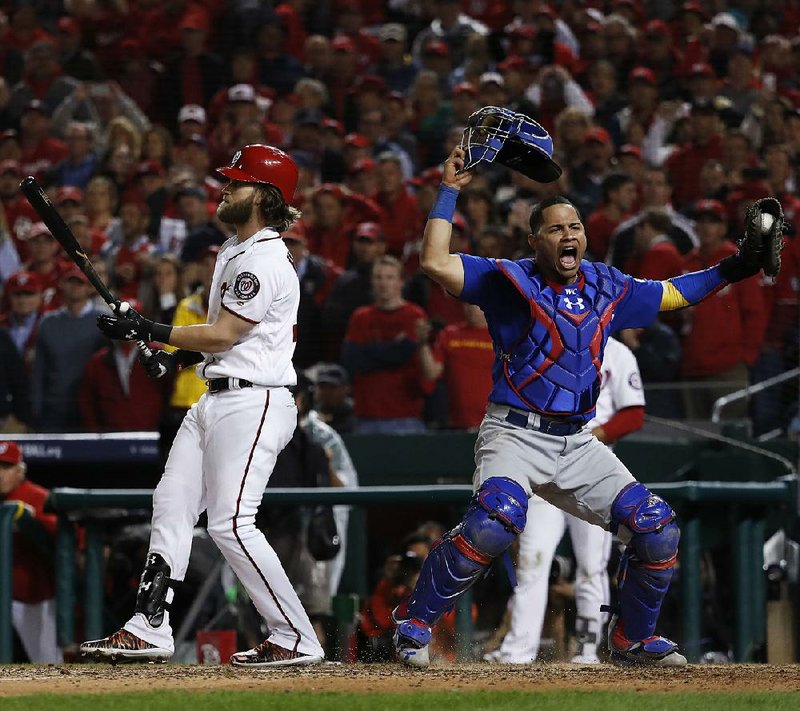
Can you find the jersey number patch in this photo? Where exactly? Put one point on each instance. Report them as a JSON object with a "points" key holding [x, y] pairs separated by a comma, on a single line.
{"points": [[246, 285]]}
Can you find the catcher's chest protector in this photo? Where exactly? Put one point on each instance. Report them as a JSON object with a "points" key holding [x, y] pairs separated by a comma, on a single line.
{"points": [[554, 365]]}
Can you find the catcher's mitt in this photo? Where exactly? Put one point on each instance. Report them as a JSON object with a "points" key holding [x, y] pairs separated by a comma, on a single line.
{"points": [[763, 235]]}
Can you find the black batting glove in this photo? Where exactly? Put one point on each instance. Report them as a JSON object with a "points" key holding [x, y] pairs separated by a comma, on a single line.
{"points": [[158, 364], [135, 328]]}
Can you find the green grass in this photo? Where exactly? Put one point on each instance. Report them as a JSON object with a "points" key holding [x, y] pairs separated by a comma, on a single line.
{"points": [[419, 701]]}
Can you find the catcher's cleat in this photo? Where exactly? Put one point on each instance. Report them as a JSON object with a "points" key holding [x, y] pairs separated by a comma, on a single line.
{"points": [[411, 639], [585, 659], [122, 646], [653, 651], [268, 654]]}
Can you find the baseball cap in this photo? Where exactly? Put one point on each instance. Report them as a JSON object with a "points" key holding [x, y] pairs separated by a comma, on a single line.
{"points": [[192, 191], [24, 282], [465, 87], [628, 149], [10, 166], [710, 207], [195, 18], [333, 125], [243, 93], [36, 105], [694, 7], [701, 69], [192, 112], [363, 165], [341, 43], [331, 374], [69, 193], [492, 78], [10, 452], [596, 134], [195, 139], [656, 28], [644, 74], [73, 272], [437, 47], [356, 140], [368, 230], [370, 82], [513, 63], [725, 19], [393, 31], [68, 25], [35, 230], [295, 235]]}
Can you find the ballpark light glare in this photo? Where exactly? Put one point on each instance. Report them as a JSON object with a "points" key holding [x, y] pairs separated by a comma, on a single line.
{"points": [[766, 222]]}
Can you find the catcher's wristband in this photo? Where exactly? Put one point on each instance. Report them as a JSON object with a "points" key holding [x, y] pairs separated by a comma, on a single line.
{"points": [[735, 268], [445, 206]]}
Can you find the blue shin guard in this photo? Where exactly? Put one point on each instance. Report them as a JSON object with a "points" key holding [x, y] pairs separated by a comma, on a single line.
{"points": [[495, 517], [647, 565]]}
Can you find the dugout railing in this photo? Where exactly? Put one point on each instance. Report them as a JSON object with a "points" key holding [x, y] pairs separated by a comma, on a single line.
{"points": [[746, 507]]}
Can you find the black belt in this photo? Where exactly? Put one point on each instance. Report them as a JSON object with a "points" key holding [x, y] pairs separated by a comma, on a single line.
{"points": [[217, 385], [548, 425]]}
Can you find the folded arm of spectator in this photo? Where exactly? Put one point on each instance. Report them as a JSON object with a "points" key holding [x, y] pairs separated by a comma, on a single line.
{"points": [[654, 146], [77, 106], [369, 357]]}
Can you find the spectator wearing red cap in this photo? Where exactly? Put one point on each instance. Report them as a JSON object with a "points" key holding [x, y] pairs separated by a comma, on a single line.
{"points": [[316, 275], [40, 151], [75, 59], [344, 69], [290, 14], [722, 336], [44, 259], [462, 356], [449, 25], [629, 158], [348, 20], [362, 178], [643, 98], [352, 289], [335, 212], [43, 80], [195, 74], [654, 255], [685, 164], [394, 63], [117, 395], [129, 251], [659, 54], [619, 197], [403, 221], [436, 58], [465, 101], [33, 607], [67, 338], [587, 181], [21, 321], [380, 350]]}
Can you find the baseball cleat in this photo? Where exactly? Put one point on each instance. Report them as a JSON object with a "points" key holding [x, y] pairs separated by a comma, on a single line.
{"points": [[267, 654], [411, 639], [497, 657], [653, 651], [585, 659], [122, 646]]}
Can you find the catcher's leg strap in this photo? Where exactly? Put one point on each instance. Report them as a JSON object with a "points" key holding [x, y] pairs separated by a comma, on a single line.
{"points": [[647, 565], [495, 517], [155, 591]]}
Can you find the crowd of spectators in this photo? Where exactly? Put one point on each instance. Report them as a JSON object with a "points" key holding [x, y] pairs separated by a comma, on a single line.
{"points": [[668, 118]]}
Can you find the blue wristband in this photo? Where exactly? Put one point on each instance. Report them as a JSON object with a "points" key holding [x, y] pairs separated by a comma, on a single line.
{"points": [[445, 206]]}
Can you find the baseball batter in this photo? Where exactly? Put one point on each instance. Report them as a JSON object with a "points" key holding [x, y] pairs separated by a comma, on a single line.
{"points": [[550, 318], [225, 450], [620, 410]]}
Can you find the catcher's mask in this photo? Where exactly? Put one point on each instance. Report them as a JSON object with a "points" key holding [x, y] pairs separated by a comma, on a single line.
{"points": [[513, 139]]}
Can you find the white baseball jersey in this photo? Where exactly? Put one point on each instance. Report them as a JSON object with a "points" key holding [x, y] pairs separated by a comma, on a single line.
{"points": [[256, 281], [620, 383]]}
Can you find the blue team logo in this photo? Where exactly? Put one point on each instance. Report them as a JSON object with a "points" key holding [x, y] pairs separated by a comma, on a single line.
{"points": [[246, 286]]}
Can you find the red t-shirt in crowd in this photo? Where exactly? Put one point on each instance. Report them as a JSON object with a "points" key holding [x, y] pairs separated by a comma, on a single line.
{"points": [[403, 221], [392, 392], [661, 261], [725, 329], [33, 578], [41, 158], [467, 355], [684, 167], [599, 229]]}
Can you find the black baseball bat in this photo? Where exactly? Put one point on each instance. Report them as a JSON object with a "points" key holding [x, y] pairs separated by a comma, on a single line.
{"points": [[58, 228]]}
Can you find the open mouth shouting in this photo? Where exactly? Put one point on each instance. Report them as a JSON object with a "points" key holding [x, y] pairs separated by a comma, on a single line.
{"points": [[568, 257]]}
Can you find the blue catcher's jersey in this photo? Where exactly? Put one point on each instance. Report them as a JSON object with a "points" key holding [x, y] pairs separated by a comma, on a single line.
{"points": [[548, 338]]}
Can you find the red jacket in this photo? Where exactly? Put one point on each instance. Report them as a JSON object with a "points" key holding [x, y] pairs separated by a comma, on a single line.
{"points": [[402, 223], [661, 261], [684, 167], [725, 329], [104, 405], [33, 576]]}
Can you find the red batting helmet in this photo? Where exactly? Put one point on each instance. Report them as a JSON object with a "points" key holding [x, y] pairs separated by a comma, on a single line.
{"points": [[257, 163]]}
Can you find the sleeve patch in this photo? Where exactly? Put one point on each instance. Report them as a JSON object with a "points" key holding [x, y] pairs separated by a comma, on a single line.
{"points": [[246, 286]]}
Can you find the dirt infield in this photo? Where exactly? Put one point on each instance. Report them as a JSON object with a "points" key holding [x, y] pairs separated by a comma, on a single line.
{"points": [[95, 678]]}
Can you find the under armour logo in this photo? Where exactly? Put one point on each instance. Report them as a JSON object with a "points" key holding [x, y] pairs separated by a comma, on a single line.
{"points": [[577, 304], [145, 586]]}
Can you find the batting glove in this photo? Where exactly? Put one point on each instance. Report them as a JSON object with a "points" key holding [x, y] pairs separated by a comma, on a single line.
{"points": [[158, 363]]}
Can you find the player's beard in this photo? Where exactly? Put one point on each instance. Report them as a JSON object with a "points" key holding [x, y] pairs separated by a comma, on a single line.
{"points": [[236, 213]]}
